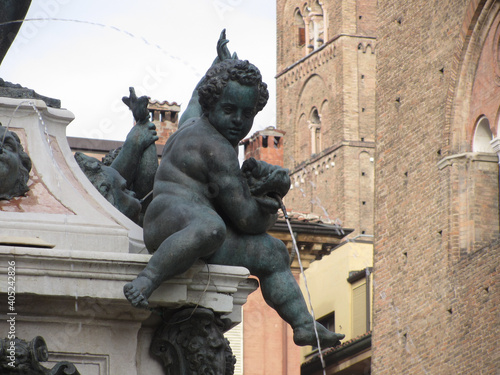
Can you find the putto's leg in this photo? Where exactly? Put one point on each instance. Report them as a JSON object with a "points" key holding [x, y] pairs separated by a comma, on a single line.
{"points": [[267, 258], [174, 256], [280, 290]]}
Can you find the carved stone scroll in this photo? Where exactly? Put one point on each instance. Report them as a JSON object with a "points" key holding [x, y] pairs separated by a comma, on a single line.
{"points": [[19, 357], [192, 342]]}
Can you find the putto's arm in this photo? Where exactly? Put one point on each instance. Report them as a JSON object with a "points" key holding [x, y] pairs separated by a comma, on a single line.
{"points": [[137, 161], [249, 213]]}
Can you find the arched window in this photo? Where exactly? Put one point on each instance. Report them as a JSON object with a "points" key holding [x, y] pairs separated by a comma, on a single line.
{"points": [[300, 24], [482, 136], [315, 19], [315, 128]]}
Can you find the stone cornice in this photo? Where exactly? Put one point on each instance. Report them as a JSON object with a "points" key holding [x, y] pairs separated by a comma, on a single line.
{"points": [[470, 156], [329, 150], [73, 275], [495, 143], [313, 60]]}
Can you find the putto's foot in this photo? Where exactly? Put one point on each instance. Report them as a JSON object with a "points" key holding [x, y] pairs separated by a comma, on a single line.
{"points": [[305, 335], [138, 291]]}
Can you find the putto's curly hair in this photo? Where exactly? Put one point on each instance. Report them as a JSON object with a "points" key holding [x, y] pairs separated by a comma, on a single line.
{"points": [[220, 74]]}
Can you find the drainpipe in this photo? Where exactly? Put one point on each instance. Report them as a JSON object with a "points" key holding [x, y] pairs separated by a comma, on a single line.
{"points": [[368, 271]]}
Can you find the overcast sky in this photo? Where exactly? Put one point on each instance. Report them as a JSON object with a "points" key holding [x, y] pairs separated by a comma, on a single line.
{"points": [[161, 47]]}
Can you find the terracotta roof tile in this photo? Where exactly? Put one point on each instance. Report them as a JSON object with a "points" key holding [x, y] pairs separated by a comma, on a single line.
{"points": [[154, 101]]}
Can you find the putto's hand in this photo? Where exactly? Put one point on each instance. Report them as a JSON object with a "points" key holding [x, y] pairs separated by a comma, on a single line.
{"points": [[153, 136], [138, 106], [222, 50]]}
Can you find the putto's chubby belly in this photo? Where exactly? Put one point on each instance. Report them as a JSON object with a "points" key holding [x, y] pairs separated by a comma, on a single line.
{"points": [[172, 192], [174, 206]]}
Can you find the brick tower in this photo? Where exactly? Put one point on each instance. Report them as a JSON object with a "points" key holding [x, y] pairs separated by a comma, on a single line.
{"points": [[326, 106], [436, 261]]}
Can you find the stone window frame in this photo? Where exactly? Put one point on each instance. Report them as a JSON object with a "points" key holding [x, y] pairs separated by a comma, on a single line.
{"points": [[481, 141], [311, 19], [301, 27], [314, 124]]}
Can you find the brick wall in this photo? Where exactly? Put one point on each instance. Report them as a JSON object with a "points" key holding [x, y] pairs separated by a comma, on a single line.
{"points": [[268, 344], [435, 301]]}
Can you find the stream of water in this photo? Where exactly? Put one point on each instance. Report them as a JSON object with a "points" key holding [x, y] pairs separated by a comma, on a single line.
{"points": [[297, 253]]}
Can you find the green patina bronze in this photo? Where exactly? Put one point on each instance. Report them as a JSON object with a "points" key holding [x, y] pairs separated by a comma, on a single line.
{"points": [[206, 207], [12, 13], [15, 166], [11, 10]]}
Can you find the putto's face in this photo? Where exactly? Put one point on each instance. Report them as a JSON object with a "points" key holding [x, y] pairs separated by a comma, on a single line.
{"points": [[114, 189], [233, 114], [10, 162]]}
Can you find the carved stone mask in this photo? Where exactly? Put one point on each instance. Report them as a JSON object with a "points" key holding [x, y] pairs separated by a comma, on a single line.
{"points": [[15, 166]]}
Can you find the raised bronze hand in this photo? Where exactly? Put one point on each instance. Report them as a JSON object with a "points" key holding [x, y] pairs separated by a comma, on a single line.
{"points": [[138, 106], [222, 50]]}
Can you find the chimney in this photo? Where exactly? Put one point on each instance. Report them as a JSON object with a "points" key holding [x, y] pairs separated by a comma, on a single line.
{"points": [[165, 116], [265, 145]]}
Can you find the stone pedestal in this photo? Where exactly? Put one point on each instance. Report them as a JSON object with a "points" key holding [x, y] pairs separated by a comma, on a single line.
{"points": [[62, 207], [73, 252]]}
